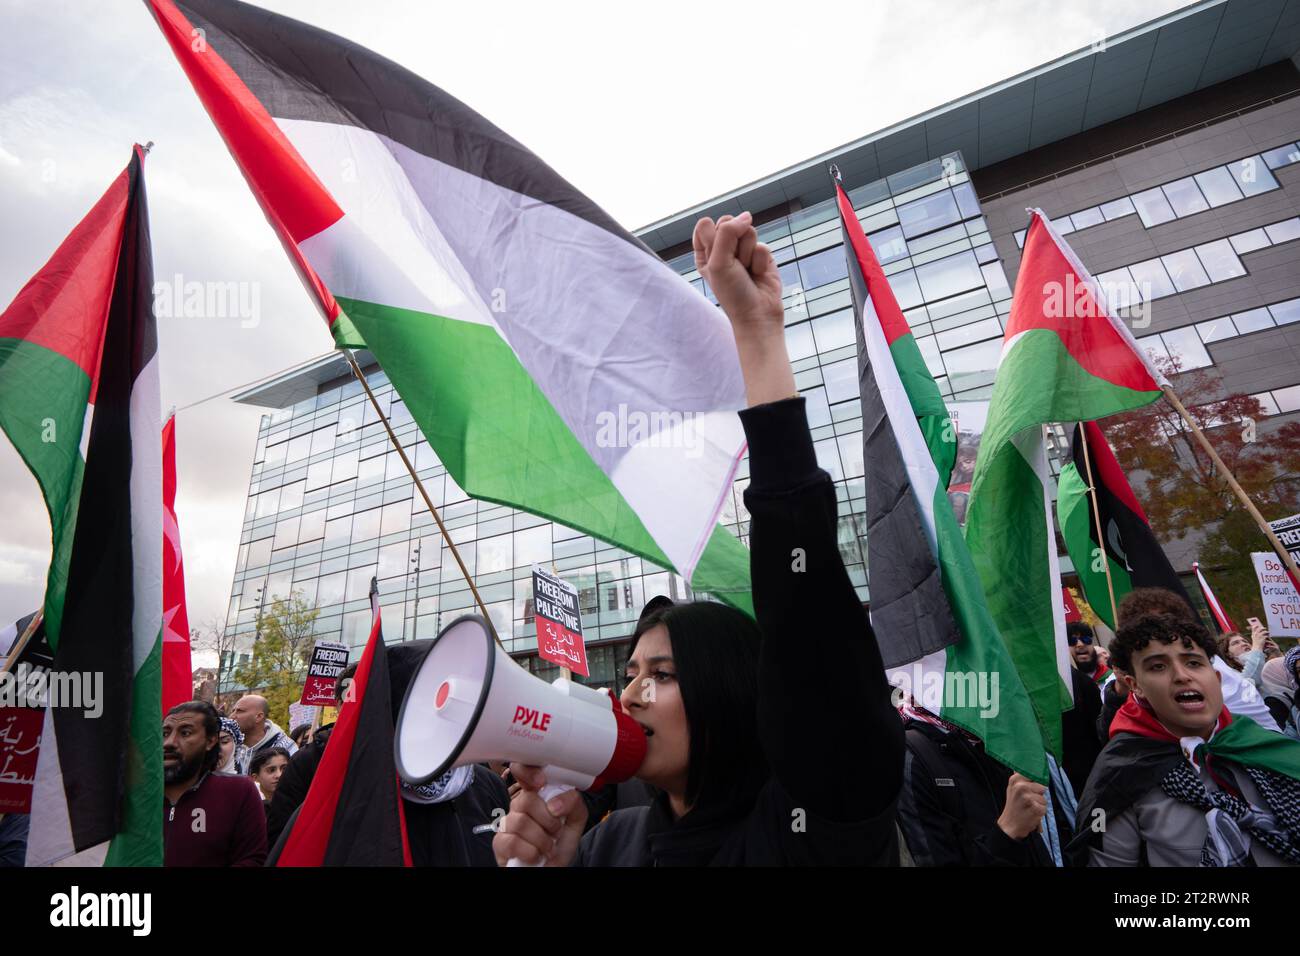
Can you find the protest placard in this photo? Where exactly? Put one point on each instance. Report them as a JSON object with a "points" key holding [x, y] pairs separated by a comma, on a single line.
{"points": [[559, 622]]}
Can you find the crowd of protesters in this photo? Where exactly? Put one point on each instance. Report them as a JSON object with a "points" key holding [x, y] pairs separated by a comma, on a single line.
{"points": [[1179, 750]]}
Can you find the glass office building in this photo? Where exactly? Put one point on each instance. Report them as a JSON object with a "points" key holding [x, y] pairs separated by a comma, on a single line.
{"points": [[1168, 156], [330, 503]]}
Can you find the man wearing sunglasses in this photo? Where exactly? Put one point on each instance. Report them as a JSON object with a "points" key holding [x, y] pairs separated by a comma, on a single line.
{"points": [[1083, 651]]}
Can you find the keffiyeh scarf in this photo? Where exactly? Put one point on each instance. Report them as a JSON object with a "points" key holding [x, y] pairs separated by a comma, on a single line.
{"points": [[1270, 760]]}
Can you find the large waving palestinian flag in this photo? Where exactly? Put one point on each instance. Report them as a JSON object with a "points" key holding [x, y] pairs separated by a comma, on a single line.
{"points": [[554, 363], [1135, 557], [1065, 358], [79, 400], [927, 606]]}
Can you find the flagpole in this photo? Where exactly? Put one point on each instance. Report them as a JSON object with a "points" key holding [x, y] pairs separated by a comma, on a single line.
{"points": [[21, 643], [1287, 561], [356, 370], [565, 672], [1096, 520]]}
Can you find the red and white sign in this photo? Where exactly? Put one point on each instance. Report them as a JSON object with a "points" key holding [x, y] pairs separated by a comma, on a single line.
{"points": [[22, 718], [328, 661], [1071, 609], [559, 622]]}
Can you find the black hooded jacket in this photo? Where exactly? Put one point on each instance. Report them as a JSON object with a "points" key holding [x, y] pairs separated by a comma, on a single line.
{"points": [[832, 740], [953, 793]]}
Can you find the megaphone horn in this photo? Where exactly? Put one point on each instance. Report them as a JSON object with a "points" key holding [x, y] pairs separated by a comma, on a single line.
{"points": [[469, 702]]}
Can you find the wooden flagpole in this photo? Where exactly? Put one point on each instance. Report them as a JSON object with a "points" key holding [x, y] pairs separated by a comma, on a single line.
{"points": [[1096, 521], [1240, 492], [356, 370], [22, 640]]}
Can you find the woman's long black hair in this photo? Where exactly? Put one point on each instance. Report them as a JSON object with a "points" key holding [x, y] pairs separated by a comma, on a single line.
{"points": [[715, 652]]}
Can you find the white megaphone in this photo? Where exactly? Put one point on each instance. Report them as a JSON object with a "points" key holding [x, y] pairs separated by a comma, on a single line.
{"points": [[469, 702]]}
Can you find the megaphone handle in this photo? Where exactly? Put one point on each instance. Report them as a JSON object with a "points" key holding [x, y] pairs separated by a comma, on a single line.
{"points": [[548, 793]]}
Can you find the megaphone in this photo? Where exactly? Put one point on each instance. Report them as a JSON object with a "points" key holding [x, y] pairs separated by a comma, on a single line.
{"points": [[469, 702]]}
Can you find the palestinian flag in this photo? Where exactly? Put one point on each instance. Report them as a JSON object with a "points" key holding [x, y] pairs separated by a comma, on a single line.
{"points": [[1135, 557], [927, 606], [1221, 619], [79, 400], [353, 814], [555, 364], [177, 680], [1065, 358]]}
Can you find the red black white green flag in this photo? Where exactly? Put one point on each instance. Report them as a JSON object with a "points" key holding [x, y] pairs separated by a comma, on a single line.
{"points": [[554, 362], [1066, 357], [353, 813], [927, 605], [1130, 548], [79, 401]]}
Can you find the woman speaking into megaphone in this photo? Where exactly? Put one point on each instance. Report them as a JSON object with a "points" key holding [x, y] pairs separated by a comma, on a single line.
{"points": [[770, 742]]}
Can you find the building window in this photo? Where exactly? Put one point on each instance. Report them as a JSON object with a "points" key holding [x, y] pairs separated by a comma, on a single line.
{"points": [[1218, 186], [823, 267], [949, 276], [928, 214], [1282, 156], [834, 331], [1288, 399], [1152, 207], [1216, 329], [888, 244], [1185, 197], [1185, 346], [1252, 321], [1221, 263], [1152, 280], [1284, 231], [1185, 270]]}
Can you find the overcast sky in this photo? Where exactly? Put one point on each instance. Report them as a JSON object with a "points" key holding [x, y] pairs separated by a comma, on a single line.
{"points": [[648, 109]]}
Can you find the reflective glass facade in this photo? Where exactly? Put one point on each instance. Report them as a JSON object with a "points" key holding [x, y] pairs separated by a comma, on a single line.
{"points": [[330, 503]]}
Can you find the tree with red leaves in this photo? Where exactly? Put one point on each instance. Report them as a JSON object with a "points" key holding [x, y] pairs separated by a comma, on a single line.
{"points": [[1182, 491]]}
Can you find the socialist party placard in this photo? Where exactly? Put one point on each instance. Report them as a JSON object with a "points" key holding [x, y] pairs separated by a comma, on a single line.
{"points": [[328, 661], [1288, 532], [559, 622]]}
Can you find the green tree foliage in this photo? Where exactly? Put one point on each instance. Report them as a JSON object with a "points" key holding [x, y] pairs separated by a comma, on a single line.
{"points": [[278, 667]]}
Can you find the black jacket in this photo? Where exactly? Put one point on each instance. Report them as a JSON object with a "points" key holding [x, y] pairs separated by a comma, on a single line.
{"points": [[1079, 730], [1111, 701], [294, 784], [1128, 766], [833, 742], [953, 793]]}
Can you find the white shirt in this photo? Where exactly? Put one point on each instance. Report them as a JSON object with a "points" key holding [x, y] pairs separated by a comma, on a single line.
{"points": [[1242, 699]]}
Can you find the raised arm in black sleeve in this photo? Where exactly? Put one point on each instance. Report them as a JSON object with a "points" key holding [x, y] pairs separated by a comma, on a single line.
{"points": [[831, 735]]}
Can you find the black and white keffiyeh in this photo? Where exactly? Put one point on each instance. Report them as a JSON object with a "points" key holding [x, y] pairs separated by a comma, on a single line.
{"points": [[1233, 823]]}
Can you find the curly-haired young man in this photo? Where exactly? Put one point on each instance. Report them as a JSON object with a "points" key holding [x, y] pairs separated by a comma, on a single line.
{"points": [[1182, 781]]}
